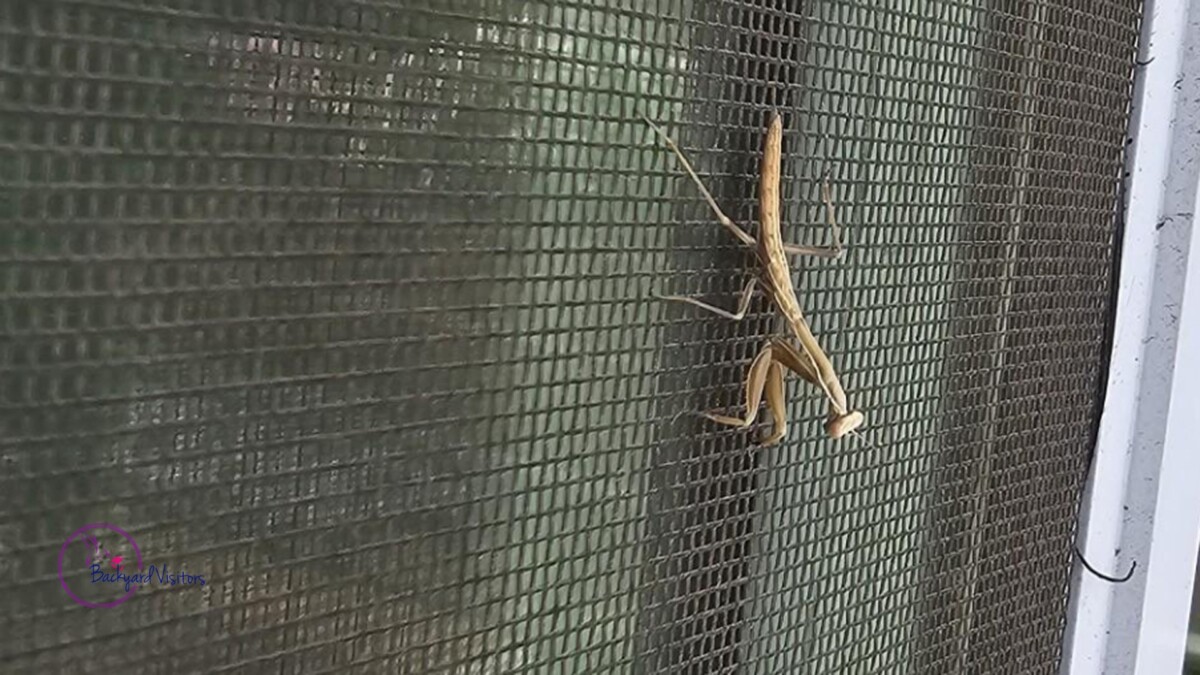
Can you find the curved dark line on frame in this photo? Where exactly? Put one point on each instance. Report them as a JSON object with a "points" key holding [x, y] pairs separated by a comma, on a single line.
{"points": [[1093, 570]]}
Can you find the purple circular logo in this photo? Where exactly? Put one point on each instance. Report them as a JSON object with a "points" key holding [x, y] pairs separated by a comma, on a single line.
{"points": [[99, 542]]}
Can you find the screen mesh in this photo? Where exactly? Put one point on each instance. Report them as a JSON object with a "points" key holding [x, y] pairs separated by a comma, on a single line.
{"points": [[347, 308]]}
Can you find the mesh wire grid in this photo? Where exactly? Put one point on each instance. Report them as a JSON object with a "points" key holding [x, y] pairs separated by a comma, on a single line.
{"points": [[347, 307]]}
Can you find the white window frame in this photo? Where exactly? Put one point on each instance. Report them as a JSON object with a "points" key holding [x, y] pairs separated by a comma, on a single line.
{"points": [[1143, 499]]}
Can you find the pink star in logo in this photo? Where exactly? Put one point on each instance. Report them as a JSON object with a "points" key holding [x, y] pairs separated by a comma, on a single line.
{"points": [[116, 561]]}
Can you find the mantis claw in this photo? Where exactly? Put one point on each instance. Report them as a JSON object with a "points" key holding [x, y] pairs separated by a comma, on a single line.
{"points": [[840, 425]]}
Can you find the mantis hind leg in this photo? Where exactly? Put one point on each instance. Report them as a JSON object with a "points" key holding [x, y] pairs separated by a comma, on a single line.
{"points": [[725, 220], [834, 251]]}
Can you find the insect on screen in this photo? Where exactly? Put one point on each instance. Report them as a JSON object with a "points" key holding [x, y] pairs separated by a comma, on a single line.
{"points": [[345, 313]]}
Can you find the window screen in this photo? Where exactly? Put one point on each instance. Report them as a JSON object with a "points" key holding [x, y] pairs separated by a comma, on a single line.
{"points": [[348, 309]]}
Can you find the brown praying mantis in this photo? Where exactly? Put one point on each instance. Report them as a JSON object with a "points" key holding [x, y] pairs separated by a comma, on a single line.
{"points": [[810, 362]]}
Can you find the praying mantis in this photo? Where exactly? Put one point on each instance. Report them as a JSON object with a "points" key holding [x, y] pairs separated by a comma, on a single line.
{"points": [[765, 375]]}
